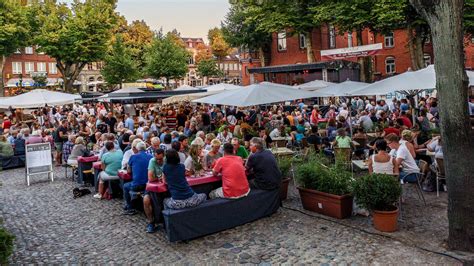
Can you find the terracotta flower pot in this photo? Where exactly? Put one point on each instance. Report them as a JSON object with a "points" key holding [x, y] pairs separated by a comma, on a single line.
{"points": [[385, 221], [284, 188], [328, 204]]}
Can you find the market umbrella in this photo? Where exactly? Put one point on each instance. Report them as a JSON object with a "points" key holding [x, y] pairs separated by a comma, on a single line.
{"points": [[121, 94], [222, 87], [186, 88], [315, 85], [187, 97], [256, 94], [408, 83], [345, 88], [39, 98]]}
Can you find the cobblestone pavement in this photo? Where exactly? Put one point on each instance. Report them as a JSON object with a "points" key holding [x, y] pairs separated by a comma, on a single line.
{"points": [[52, 227]]}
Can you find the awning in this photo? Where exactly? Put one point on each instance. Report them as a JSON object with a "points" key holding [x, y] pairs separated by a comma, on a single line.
{"points": [[351, 52], [301, 67]]}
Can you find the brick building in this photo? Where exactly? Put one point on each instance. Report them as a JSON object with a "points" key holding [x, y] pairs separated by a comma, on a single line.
{"points": [[192, 78], [289, 51]]}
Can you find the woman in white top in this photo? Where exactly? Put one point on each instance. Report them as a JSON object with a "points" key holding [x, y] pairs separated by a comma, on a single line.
{"points": [[382, 162]]}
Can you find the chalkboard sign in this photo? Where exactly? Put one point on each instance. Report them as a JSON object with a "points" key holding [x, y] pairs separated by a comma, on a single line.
{"points": [[38, 160]]}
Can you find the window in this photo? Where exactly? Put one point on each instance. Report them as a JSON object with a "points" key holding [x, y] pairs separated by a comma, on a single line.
{"points": [[349, 39], [18, 51], [16, 67], [190, 44], [41, 67], [52, 68], [427, 59], [29, 67], [389, 40], [390, 65], [191, 61], [236, 66], [303, 44], [38, 47], [29, 50], [221, 66], [332, 37], [231, 66], [89, 66], [282, 41]]}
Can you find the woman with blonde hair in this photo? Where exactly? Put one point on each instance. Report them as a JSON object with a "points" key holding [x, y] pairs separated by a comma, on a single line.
{"points": [[79, 149], [407, 140], [195, 161], [213, 154]]}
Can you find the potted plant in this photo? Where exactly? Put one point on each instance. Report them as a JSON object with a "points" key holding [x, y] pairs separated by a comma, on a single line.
{"points": [[325, 190], [285, 167], [379, 193]]}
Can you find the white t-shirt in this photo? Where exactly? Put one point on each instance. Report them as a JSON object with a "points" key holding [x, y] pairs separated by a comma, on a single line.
{"points": [[408, 163], [438, 149], [344, 113]]}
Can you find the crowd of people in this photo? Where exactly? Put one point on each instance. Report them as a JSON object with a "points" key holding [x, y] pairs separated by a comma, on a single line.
{"points": [[157, 143]]}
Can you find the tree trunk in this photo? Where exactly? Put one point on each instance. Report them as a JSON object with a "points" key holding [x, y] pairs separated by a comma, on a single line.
{"points": [[419, 44], [261, 56], [446, 23], [309, 47], [411, 48], [364, 62], [2, 66]]}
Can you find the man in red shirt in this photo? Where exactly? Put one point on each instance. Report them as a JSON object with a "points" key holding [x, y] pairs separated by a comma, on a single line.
{"points": [[406, 121], [234, 180], [391, 129], [6, 123]]}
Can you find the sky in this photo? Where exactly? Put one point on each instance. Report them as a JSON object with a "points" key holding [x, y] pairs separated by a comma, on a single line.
{"points": [[192, 18]]}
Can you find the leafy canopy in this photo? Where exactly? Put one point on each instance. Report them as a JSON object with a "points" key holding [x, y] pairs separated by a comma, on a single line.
{"points": [[119, 66], [15, 26], [208, 68]]}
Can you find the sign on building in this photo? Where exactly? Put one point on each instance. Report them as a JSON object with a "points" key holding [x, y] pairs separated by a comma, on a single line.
{"points": [[38, 160], [356, 51]]}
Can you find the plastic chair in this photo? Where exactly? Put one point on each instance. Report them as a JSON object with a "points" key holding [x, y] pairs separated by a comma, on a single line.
{"points": [[440, 173]]}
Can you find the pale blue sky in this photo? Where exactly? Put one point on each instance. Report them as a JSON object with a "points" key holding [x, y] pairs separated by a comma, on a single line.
{"points": [[192, 18]]}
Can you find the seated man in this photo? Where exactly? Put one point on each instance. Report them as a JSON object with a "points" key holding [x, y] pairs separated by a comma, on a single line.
{"points": [[111, 163], [137, 168], [155, 173], [155, 145], [6, 149], [68, 146], [234, 181], [262, 167], [403, 157], [239, 150]]}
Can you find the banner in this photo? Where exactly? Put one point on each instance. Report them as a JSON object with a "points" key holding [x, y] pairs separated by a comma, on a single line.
{"points": [[357, 51]]}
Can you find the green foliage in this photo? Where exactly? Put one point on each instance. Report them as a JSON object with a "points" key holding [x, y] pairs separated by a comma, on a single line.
{"points": [[119, 66], [41, 80], [469, 17], [14, 26], [316, 176], [74, 36], [208, 68], [219, 47], [6, 245], [377, 191], [285, 165], [166, 58]]}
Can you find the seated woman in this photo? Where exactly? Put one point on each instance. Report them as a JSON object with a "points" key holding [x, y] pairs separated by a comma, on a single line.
{"points": [[342, 140], [79, 149], [6, 149], [213, 154], [195, 161], [382, 162], [182, 196], [111, 163]]}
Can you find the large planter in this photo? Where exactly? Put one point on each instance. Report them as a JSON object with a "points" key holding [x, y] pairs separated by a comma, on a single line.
{"points": [[328, 204], [284, 188], [385, 221]]}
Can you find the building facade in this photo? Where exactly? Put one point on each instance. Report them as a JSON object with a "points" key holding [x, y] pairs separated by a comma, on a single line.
{"points": [[290, 51], [192, 78]]}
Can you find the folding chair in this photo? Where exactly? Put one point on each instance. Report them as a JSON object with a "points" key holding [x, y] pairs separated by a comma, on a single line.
{"points": [[419, 177], [440, 173]]}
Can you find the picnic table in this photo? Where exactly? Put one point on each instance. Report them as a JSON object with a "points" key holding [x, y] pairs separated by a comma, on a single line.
{"points": [[282, 151], [84, 166], [360, 165]]}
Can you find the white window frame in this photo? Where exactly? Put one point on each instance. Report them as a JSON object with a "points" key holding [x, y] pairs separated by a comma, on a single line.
{"points": [[281, 41], [29, 50], [29, 67], [302, 41], [389, 40], [427, 59], [332, 36], [18, 51], [390, 67], [41, 67], [349, 39], [17, 68], [190, 44], [52, 69]]}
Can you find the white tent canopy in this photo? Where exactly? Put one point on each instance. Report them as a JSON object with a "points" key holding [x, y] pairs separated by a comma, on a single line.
{"points": [[222, 87], [188, 97], [256, 94], [345, 88], [315, 85], [39, 98], [423, 79], [186, 88]]}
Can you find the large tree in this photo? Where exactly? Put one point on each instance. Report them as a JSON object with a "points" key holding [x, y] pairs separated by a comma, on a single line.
{"points": [[119, 65], [446, 22], [202, 53], [15, 30], [240, 29], [166, 59], [137, 37], [208, 68], [75, 36], [219, 47]]}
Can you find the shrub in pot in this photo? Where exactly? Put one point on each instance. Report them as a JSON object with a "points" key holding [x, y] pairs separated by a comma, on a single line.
{"points": [[285, 167], [379, 193], [325, 190]]}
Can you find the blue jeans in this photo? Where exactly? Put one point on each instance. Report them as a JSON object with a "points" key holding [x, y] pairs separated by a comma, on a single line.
{"points": [[408, 178], [127, 187]]}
